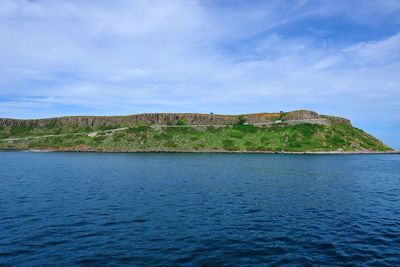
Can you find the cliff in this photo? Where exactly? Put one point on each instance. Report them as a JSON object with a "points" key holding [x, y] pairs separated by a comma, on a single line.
{"points": [[161, 118], [296, 131]]}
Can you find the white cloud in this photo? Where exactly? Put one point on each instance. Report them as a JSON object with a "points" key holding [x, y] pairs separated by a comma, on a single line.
{"points": [[123, 57], [361, 11], [383, 51]]}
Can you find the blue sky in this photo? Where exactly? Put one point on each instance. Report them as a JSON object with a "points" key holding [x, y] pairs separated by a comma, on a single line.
{"points": [[338, 57]]}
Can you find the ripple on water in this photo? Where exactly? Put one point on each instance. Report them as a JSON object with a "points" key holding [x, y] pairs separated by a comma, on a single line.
{"points": [[201, 209]]}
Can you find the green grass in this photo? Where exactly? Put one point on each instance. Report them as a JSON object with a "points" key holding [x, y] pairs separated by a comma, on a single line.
{"points": [[279, 137], [107, 127], [246, 128], [139, 129]]}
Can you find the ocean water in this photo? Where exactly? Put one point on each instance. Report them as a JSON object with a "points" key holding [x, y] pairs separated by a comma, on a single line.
{"points": [[199, 209]]}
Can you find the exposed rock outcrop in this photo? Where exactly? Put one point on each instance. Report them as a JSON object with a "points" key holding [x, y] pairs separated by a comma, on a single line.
{"points": [[300, 115], [339, 120], [167, 118], [163, 118]]}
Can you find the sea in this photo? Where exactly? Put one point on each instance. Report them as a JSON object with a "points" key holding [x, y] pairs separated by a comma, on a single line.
{"points": [[200, 209]]}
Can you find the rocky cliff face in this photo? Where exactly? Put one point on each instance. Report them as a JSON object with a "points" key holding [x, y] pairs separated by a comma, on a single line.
{"points": [[300, 115], [151, 118], [165, 118], [308, 114], [339, 120]]}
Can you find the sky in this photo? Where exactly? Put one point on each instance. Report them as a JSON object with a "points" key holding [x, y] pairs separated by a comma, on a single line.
{"points": [[121, 57]]}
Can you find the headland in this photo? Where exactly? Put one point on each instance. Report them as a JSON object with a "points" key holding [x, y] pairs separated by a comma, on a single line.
{"points": [[296, 132]]}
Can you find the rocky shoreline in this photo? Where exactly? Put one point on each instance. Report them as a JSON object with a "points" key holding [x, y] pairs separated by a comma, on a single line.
{"points": [[209, 151]]}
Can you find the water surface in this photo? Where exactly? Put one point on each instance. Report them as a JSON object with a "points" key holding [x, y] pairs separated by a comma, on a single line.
{"points": [[199, 209]]}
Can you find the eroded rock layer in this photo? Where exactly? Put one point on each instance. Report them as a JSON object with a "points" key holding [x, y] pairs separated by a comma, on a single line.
{"points": [[166, 118]]}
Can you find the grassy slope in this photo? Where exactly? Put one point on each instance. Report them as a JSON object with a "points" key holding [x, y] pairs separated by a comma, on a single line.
{"points": [[281, 137]]}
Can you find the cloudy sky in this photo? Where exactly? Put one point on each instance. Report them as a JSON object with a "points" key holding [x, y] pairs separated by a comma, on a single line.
{"points": [[119, 57]]}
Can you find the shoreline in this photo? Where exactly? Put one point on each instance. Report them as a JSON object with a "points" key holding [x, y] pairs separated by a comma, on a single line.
{"points": [[208, 151]]}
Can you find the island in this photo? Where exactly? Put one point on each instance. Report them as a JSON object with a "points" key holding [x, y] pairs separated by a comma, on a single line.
{"points": [[301, 131]]}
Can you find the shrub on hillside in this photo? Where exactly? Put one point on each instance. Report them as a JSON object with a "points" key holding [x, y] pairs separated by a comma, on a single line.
{"points": [[228, 144], [241, 120]]}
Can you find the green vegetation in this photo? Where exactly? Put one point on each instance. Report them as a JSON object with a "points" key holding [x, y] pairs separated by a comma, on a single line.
{"points": [[241, 120], [181, 122], [107, 127], [238, 137], [138, 129], [281, 115]]}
